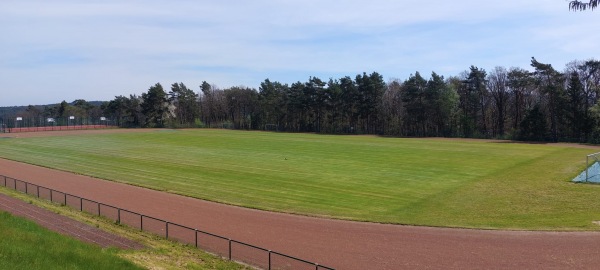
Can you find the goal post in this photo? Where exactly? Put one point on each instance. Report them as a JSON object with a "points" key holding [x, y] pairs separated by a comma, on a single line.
{"points": [[592, 168]]}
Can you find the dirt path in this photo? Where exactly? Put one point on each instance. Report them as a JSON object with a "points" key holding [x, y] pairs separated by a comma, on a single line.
{"points": [[64, 225], [335, 243]]}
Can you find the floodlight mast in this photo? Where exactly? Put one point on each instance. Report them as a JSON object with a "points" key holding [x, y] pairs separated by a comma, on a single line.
{"points": [[19, 120]]}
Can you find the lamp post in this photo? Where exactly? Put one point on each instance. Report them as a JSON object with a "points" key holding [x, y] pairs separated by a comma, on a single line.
{"points": [[68, 122], [51, 122], [19, 120]]}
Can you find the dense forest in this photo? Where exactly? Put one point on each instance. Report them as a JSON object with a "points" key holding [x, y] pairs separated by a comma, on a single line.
{"points": [[541, 105]]}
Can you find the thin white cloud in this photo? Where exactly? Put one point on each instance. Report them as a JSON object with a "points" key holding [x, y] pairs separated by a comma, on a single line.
{"points": [[99, 49]]}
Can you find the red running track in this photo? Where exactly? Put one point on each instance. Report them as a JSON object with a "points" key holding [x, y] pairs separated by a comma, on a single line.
{"points": [[335, 243]]}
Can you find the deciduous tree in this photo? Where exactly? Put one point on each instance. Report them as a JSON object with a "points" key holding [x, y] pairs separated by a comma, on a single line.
{"points": [[550, 85], [497, 84], [582, 5]]}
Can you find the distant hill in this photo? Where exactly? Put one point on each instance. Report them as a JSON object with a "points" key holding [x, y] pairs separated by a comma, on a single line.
{"points": [[14, 110]]}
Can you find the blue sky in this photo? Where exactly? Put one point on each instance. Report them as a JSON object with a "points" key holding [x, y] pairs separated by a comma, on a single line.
{"points": [[65, 49]]}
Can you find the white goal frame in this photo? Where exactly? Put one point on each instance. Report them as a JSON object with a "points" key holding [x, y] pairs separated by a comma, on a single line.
{"points": [[595, 157]]}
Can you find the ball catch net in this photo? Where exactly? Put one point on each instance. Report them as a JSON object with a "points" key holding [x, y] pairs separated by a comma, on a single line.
{"points": [[591, 174]]}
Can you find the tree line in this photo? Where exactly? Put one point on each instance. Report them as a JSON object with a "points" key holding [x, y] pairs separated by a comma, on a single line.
{"points": [[540, 105], [543, 105]]}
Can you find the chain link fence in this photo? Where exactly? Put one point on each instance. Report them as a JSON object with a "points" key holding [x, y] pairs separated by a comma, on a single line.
{"points": [[32, 124]]}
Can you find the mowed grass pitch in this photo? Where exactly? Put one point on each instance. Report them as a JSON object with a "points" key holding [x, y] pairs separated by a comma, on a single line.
{"points": [[435, 182]]}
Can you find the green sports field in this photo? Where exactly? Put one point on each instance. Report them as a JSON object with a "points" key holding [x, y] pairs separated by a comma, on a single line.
{"points": [[435, 182]]}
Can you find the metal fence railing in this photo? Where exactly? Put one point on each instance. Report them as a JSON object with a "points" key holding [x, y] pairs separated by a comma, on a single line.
{"points": [[31, 124], [226, 247]]}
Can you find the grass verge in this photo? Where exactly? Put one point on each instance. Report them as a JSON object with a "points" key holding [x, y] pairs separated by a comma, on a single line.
{"points": [[26, 245]]}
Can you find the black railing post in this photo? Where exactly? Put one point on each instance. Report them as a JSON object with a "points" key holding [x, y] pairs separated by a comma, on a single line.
{"points": [[167, 230], [230, 249], [50, 195], [98, 209], [65, 198], [141, 222], [118, 215], [38, 191], [269, 259], [80, 204], [196, 236], [26, 191]]}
